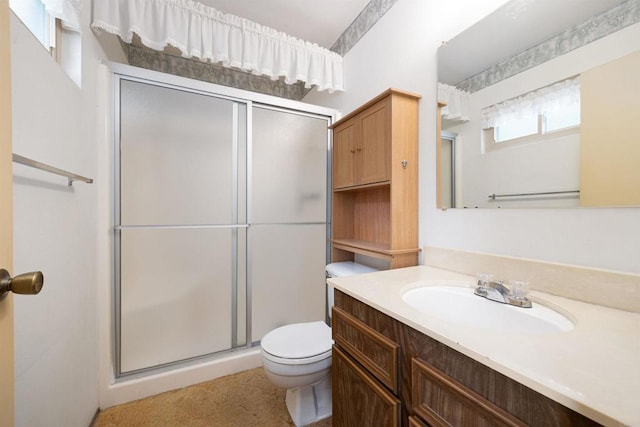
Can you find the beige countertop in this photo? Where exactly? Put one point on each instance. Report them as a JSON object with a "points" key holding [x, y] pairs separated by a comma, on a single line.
{"points": [[593, 369]]}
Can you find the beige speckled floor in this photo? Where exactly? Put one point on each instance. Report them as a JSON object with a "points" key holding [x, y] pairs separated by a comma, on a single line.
{"points": [[244, 399]]}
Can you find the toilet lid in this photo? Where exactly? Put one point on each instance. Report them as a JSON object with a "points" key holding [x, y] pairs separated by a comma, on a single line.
{"points": [[298, 341]]}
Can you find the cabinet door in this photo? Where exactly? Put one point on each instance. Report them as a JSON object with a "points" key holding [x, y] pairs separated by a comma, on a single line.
{"points": [[443, 401], [373, 148], [344, 155], [358, 399]]}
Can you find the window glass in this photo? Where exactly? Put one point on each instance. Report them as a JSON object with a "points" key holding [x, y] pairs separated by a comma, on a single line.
{"points": [[516, 129], [562, 119], [32, 13], [60, 37]]}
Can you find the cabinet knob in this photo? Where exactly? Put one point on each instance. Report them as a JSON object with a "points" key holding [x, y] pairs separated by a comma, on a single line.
{"points": [[359, 149]]}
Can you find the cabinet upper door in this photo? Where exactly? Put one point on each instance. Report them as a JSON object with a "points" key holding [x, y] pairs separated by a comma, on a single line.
{"points": [[373, 147], [344, 155]]}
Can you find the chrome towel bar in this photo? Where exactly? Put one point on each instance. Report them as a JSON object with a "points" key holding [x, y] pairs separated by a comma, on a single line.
{"points": [[495, 196], [34, 164]]}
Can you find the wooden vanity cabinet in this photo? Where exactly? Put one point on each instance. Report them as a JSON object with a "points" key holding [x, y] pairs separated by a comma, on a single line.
{"points": [[365, 374], [375, 181], [437, 386], [363, 402]]}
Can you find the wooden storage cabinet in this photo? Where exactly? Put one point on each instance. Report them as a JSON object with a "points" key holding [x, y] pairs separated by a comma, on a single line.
{"points": [[439, 386], [361, 400], [365, 374], [375, 181], [362, 147]]}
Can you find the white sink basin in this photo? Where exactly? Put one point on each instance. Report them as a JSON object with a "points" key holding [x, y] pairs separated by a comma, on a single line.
{"points": [[459, 305]]}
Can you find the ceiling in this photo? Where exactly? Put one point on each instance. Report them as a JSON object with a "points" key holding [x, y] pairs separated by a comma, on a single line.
{"points": [[320, 22]]}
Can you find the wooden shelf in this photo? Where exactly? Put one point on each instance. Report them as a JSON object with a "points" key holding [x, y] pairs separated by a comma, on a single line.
{"points": [[374, 249], [363, 187]]}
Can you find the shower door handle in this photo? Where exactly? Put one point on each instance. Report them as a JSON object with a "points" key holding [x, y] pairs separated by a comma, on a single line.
{"points": [[25, 284]]}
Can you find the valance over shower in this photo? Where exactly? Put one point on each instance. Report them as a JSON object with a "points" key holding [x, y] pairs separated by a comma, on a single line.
{"points": [[203, 32]]}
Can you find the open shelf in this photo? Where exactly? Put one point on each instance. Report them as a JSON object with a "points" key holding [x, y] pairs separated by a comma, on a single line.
{"points": [[363, 215], [363, 186], [374, 249]]}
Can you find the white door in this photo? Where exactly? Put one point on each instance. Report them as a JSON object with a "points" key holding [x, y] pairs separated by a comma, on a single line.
{"points": [[6, 225]]}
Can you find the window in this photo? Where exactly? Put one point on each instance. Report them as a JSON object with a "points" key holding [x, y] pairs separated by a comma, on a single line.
{"points": [[534, 116], [563, 119], [34, 15], [516, 128], [55, 23]]}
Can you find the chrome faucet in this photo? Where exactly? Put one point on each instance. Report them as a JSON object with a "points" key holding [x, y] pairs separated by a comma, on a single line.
{"points": [[497, 291]]}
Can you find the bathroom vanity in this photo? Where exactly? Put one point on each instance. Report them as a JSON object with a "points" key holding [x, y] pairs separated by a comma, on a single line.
{"points": [[395, 365]]}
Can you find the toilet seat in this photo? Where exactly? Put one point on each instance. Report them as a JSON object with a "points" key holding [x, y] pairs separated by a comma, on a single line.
{"points": [[299, 343]]}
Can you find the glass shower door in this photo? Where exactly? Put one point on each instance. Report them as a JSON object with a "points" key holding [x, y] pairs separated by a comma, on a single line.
{"points": [[288, 234], [180, 225]]}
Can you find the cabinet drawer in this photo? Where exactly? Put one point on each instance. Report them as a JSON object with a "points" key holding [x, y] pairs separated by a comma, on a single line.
{"points": [[377, 353], [358, 399], [443, 401]]}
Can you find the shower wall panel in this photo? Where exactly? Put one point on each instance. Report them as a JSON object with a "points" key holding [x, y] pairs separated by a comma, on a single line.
{"points": [[175, 295], [289, 168], [176, 157], [288, 279]]}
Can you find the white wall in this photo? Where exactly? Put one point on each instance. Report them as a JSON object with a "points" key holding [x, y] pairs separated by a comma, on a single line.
{"points": [[400, 51], [56, 342]]}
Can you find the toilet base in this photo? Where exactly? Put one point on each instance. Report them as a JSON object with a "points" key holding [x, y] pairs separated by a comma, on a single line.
{"points": [[311, 403]]}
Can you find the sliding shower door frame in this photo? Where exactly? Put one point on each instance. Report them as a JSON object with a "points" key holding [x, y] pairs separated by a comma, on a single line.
{"points": [[330, 120], [238, 97], [235, 225], [253, 223]]}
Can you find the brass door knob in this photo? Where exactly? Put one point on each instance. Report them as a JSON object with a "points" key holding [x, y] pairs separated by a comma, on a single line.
{"points": [[25, 284]]}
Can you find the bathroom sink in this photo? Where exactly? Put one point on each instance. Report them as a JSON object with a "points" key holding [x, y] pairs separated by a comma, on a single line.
{"points": [[458, 305]]}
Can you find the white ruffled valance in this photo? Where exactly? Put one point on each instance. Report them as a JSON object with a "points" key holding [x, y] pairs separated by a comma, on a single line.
{"points": [[203, 32], [456, 100], [558, 96], [68, 11]]}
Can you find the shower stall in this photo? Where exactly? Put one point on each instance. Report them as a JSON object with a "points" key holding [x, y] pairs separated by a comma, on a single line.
{"points": [[220, 219]]}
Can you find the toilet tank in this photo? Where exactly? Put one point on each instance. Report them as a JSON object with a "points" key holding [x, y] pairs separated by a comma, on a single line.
{"points": [[343, 269]]}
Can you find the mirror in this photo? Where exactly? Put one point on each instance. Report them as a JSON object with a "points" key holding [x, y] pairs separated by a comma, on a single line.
{"points": [[538, 106]]}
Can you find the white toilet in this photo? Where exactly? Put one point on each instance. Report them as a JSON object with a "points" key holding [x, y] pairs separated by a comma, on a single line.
{"points": [[297, 357]]}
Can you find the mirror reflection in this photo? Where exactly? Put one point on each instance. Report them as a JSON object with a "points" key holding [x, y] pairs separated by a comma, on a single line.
{"points": [[539, 107]]}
